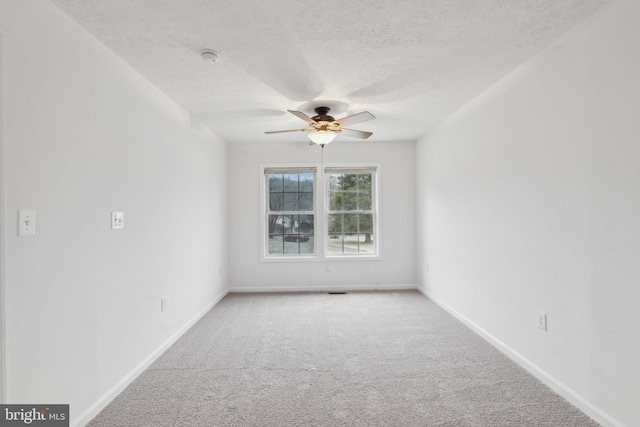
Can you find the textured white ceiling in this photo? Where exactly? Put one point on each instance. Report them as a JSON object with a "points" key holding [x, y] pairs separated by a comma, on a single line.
{"points": [[411, 63]]}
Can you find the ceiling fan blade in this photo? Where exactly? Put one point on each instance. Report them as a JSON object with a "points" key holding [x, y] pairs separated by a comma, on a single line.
{"points": [[355, 133], [292, 130], [356, 118], [302, 116]]}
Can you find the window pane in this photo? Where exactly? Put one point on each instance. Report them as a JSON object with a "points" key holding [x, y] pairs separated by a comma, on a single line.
{"points": [[285, 192], [365, 243], [364, 200], [350, 244], [291, 182], [365, 223], [290, 201], [350, 192], [350, 201], [275, 224], [275, 244], [291, 234], [305, 224], [275, 182], [335, 223], [306, 202], [306, 183], [332, 179], [347, 181], [276, 202], [350, 223], [286, 224], [335, 201], [334, 246]]}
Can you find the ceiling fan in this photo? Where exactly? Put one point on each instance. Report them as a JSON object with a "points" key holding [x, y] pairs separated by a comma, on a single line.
{"points": [[324, 128]]}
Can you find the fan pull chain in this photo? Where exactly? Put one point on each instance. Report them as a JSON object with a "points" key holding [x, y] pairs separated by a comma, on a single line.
{"points": [[322, 160]]}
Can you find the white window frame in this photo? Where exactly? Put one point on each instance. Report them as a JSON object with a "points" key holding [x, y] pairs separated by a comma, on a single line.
{"points": [[264, 203], [321, 213], [374, 169]]}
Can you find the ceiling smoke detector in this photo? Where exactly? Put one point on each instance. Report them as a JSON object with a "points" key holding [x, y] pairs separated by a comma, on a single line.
{"points": [[209, 55]]}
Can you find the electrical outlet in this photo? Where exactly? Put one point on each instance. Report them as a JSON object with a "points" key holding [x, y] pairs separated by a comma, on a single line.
{"points": [[163, 304], [326, 268], [117, 220], [542, 320]]}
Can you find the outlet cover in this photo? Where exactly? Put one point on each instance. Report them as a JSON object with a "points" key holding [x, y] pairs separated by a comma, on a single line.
{"points": [[26, 223], [542, 320], [117, 220]]}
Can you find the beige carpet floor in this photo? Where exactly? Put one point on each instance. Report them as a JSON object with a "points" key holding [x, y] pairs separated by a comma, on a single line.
{"points": [[313, 359]]}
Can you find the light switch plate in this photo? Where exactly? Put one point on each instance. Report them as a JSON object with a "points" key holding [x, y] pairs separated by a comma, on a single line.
{"points": [[117, 220], [26, 223]]}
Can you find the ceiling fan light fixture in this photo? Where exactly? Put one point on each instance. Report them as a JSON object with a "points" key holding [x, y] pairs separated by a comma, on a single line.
{"points": [[322, 137]]}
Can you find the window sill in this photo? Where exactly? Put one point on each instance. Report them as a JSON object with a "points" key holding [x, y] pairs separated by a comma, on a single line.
{"points": [[322, 259]]}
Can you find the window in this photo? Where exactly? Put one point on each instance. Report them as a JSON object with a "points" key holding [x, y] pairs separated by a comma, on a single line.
{"points": [[351, 215], [318, 215], [290, 211]]}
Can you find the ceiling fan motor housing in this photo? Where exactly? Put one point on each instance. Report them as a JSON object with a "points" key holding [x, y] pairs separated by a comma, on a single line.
{"points": [[322, 115]]}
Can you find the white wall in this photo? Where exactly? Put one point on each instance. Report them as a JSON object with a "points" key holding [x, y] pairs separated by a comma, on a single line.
{"points": [[529, 199], [2, 258], [84, 135], [397, 206]]}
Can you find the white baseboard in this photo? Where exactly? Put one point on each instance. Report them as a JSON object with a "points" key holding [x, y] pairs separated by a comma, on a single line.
{"points": [[90, 413], [327, 288], [574, 398]]}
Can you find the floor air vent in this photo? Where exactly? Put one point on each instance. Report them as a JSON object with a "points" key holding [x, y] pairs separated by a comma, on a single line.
{"points": [[337, 293]]}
